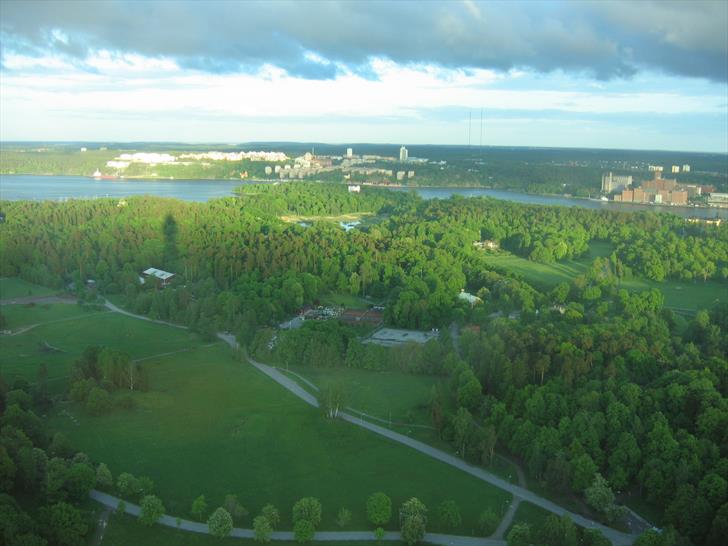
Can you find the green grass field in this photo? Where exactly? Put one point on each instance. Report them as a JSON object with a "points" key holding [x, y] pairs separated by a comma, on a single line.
{"points": [[214, 426], [20, 355], [389, 395], [19, 316], [396, 396], [688, 295], [13, 287]]}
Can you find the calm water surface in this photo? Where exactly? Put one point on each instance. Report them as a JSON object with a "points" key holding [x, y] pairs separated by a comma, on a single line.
{"points": [[14, 187]]}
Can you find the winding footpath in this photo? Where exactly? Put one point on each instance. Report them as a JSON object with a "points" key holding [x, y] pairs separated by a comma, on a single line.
{"points": [[112, 503], [520, 493]]}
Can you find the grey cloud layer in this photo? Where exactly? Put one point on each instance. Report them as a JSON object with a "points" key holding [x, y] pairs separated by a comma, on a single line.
{"points": [[606, 39]]}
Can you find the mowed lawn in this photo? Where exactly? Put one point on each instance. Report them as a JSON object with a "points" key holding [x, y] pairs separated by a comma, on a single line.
{"points": [[22, 315], [13, 287], [387, 394], [20, 355], [213, 425], [688, 295]]}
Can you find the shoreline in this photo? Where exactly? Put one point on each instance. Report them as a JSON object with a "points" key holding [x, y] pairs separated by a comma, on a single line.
{"points": [[653, 207]]}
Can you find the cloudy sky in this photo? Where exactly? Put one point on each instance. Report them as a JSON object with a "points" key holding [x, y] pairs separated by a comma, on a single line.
{"points": [[612, 74]]}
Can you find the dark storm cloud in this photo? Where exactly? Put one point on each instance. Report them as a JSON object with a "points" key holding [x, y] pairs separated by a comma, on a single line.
{"points": [[606, 39]]}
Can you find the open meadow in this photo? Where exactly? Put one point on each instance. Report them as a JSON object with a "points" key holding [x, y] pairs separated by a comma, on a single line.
{"points": [[387, 395], [57, 334], [13, 287], [213, 425], [679, 295]]}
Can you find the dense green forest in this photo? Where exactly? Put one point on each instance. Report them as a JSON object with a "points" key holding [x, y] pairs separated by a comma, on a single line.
{"points": [[599, 391]]}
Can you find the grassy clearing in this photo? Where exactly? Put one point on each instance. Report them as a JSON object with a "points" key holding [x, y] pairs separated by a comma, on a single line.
{"points": [[688, 295], [21, 355], [349, 217], [215, 426], [388, 395], [19, 316], [403, 398], [125, 530], [13, 287]]}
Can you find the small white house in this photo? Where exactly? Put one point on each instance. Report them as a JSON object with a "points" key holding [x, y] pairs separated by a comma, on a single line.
{"points": [[356, 188]]}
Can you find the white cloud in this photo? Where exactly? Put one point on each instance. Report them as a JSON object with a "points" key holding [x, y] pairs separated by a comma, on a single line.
{"points": [[132, 90]]}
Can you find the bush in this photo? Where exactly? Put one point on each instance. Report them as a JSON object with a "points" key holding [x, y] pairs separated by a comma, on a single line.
{"points": [[262, 529], [309, 509], [220, 523], [104, 480], [343, 518], [379, 509], [270, 513], [146, 485], [151, 510], [98, 402], [199, 508], [413, 521], [519, 535], [303, 531], [127, 485], [487, 522], [237, 510], [449, 515]]}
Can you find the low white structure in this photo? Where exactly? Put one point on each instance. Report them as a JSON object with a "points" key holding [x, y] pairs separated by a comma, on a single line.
{"points": [[148, 158], [164, 276], [356, 188], [114, 164], [392, 337], [470, 298]]}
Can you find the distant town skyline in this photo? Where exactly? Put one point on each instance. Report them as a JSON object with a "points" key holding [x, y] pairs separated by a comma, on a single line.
{"points": [[620, 75]]}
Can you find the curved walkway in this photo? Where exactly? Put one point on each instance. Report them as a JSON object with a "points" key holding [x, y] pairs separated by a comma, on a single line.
{"points": [[615, 537], [322, 536], [507, 519]]}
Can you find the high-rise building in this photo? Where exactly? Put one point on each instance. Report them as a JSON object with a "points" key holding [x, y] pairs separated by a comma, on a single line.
{"points": [[612, 182], [403, 155], [349, 153]]}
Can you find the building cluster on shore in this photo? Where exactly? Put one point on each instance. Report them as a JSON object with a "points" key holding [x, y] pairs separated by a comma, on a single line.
{"points": [[665, 191]]}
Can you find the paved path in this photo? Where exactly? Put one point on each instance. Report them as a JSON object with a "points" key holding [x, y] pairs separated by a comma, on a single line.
{"points": [[116, 309], [507, 519], [24, 329], [101, 526], [616, 537], [112, 502]]}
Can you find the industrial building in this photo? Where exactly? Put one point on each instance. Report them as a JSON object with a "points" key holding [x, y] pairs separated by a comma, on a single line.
{"points": [[612, 182]]}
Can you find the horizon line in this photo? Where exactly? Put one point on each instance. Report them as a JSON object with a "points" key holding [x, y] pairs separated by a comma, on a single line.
{"points": [[345, 143]]}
